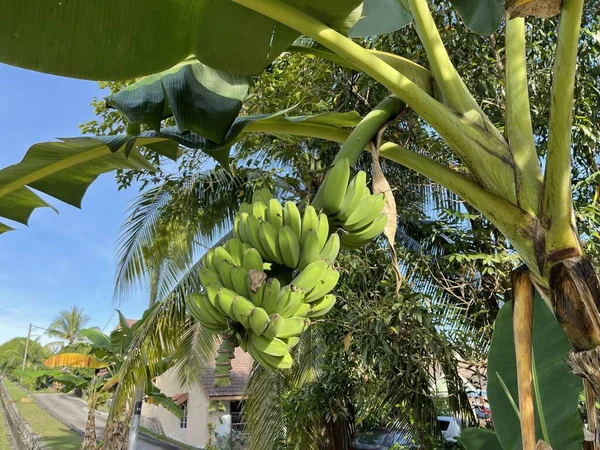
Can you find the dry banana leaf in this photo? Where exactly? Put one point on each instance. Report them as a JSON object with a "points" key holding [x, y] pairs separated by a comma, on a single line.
{"points": [[537, 8]]}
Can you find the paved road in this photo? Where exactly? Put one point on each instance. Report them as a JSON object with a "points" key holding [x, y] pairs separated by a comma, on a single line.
{"points": [[73, 411]]}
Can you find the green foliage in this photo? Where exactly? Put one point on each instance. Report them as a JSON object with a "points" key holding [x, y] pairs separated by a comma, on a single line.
{"points": [[479, 439], [556, 388], [12, 352]]}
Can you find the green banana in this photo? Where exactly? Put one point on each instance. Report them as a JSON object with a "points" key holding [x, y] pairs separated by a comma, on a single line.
{"points": [[293, 303], [225, 273], [357, 190], [289, 246], [221, 254], [200, 308], [245, 247], [334, 186], [207, 259], [368, 209], [292, 342], [245, 208], [303, 310], [239, 278], [270, 295], [310, 221], [274, 327], [252, 260], [234, 247], [273, 347], [360, 238], [242, 307], [323, 229], [292, 218], [253, 229], [259, 321], [256, 297], [310, 250], [244, 342], [212, 291], [317, 201], [275, 213], [261, 195], [293, 327], [236, 226], [259, 210], [268, 238], [308, 278], [322, 307], [225, 298], [269, 361], [242, 227], [207, 276], [324, 286], [331, 249]]}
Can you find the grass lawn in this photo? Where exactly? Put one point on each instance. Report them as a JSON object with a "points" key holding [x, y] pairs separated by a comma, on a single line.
{"points": [[3, 434], [54, 434]]}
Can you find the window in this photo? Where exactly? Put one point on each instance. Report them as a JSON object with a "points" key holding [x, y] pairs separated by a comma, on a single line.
{"points": [[184, 417]]}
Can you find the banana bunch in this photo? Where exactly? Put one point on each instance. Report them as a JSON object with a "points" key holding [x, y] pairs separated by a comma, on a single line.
{"points": [[267, 317], [350, 206], [284, 236]]}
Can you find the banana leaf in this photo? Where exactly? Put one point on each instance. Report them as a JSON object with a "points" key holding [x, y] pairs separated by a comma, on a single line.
{"points": [[479, 439], [381, 17], [116, 40], [480, 16], [556, 388], [96, 337], [159, 399], [201, 99], [74, 360]]}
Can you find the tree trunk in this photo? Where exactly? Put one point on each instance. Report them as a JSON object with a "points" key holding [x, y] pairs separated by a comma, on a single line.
{"points": [[116, 433], [89, 438]]}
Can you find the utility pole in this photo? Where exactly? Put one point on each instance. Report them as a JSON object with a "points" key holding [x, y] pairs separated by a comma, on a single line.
{"points": [[27, 346]]}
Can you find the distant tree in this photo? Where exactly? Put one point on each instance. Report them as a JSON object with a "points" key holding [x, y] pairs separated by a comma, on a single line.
{"points": [[11, 354], [68, 325]]}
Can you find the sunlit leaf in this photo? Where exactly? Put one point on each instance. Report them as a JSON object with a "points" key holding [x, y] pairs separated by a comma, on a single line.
{"points": [[480, 16], [381, 17], [74, 360]]}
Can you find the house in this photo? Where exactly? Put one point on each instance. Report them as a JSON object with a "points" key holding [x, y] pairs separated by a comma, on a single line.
{"points": [[208, 411]]}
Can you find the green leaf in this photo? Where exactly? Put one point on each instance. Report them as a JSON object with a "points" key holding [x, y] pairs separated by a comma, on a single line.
{"points": [[160, 399], [71, 382], [480, 16], [479, 439], [202, 100], [111, 39], [381, 17], [96, 337], [556, 388], [5, 228], [64, 170]]}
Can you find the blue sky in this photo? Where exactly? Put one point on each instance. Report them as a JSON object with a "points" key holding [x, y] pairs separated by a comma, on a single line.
{"points": [[61, 259]]}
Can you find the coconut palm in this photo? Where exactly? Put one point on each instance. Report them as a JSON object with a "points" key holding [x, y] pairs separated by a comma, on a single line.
{"points": [[68, 325]]}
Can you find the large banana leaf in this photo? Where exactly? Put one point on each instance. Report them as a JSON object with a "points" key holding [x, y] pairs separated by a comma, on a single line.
{"points": [[74, 360], [202, 100], [479, 439], [160, 399], [556, 388], [96, 337], [115, 39], [381, 17], [480, 16], [65, 169]]}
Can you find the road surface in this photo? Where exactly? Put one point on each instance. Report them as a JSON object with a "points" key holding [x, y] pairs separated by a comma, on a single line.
{"points": [[73, 411]]}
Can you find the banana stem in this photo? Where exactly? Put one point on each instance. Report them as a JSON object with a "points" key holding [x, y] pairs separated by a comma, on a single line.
{"points": [[368, 128], [556, 209], [523, 292], [518, 119]]}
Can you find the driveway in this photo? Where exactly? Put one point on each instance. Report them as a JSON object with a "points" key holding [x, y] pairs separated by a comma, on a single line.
{"points": [[73, 411]]}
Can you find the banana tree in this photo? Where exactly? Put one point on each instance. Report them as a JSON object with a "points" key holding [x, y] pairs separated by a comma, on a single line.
{"points": [[501, 174]]}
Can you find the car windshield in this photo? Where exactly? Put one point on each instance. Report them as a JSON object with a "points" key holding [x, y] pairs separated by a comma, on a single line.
{"points": [[444, 424], [372, 437]]}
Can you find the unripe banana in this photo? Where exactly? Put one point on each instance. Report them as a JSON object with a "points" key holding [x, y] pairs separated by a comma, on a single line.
{"points": [[310, 221], [308, 278], [294, 302], [357, 190], [331, 249], [275, 213], [244, 342], [225, 273], [289, 246], [293, 327], [234, 247], [252, 260], [243, 227], [245, 208], [291, 342], [253, 229], [322, 307], [269, 239], [270, 295], [207, 260], [368, 210], [236, 227], [212, 291], [273, 347], [259, 210], [269, 361], [259, 321], [323, 229], [310, 250], [207, 276], [274, 327], [303, 310], [324, 286], [221, 254], [282, 302], [256, 286], [198, 308], [334, 186], [292, 218], [360, 238], [262, 195], [242, 307], [225, 298], [239, 278], [246, 246]]}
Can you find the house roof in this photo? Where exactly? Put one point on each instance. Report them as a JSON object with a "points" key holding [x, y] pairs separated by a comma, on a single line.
{"points": [[240, 374], [180, 398], [130, 322]]}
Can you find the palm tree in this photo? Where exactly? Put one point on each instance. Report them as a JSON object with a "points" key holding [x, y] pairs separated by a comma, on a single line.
{"points": [[68, 325]]}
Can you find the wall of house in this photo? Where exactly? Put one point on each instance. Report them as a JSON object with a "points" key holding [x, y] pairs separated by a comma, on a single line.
{"points": [[198, 412]]}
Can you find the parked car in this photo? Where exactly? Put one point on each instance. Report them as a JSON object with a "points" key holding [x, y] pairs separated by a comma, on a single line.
{"points": [[384, 439], [450, 427]]}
